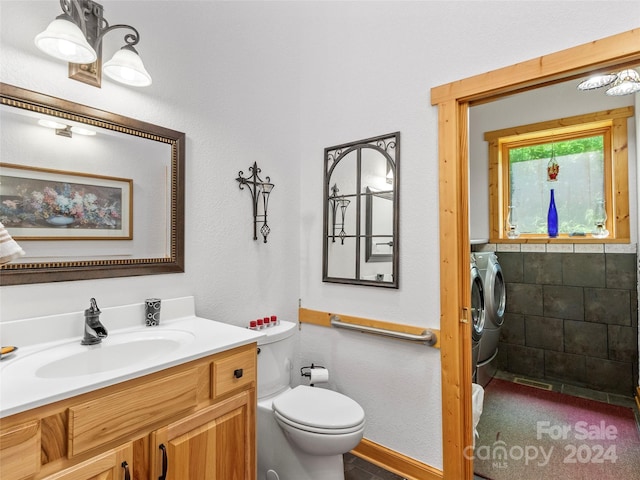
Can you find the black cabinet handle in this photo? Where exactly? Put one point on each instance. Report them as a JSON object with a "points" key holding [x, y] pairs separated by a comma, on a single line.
{"points": [[238, 373], [164, 462], [125, 465]]}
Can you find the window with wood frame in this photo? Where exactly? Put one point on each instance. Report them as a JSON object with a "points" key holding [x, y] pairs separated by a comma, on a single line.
{"points": [[583, 159]]}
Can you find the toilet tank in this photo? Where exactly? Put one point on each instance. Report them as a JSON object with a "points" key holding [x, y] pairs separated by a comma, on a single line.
{"points": [[275, 358]]}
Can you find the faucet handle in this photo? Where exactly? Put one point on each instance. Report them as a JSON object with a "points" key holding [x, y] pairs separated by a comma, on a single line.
{"points": [[94, 306]]}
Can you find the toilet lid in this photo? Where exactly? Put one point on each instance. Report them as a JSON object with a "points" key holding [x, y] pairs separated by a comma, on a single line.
{"points": [[319, 407]]}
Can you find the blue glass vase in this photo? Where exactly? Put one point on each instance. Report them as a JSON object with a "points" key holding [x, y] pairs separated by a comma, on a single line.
{"points": [[552, 217]]}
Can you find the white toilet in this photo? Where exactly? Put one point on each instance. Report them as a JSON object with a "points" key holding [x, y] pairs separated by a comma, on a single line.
{"points": [[302, 431]]}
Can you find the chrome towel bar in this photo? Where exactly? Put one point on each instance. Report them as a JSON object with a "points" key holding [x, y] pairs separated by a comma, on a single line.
{"points": [[427, 337]]}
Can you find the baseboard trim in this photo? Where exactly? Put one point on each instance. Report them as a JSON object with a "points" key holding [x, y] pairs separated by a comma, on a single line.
{"points": [[395, 462]]}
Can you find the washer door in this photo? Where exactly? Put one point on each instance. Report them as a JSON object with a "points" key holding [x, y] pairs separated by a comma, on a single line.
{"points": [[495, 290], [477, 304]]}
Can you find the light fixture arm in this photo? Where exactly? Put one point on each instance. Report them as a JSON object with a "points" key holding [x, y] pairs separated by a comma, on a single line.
{"points": [[77, 37], [257, 188], [80, 14], [130, 39]]}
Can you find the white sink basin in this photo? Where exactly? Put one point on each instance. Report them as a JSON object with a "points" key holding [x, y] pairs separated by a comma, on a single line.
{"points": [[42, 373], [113, 353]]}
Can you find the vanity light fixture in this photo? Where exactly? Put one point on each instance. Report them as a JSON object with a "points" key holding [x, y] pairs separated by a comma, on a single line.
{"points": [[76, 36], [65, 130], [338, 201], [9, 248], [621, 83], [259, 189]]}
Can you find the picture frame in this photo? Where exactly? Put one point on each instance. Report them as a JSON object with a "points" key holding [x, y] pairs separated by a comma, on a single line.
{"points": [[47, 204]]}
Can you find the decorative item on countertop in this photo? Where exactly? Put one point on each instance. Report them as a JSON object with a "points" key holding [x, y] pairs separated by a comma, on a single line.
{"points": [[8, 350], [512, 223], [256, 187], [265, 322], [600, 220], [152, 311], [552, 217]]}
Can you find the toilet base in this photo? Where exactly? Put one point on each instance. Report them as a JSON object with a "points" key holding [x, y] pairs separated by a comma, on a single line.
{"points": [[285, 461]]}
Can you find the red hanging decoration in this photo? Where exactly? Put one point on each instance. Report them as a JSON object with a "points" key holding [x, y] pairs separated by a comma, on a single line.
{"points": [[552, 167]]}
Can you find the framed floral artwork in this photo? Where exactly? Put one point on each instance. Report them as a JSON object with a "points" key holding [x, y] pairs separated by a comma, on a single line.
{"points": [[45, 204]]}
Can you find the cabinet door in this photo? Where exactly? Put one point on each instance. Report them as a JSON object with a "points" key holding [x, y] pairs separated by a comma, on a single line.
{"points": [[215, 443], [112, 465]]}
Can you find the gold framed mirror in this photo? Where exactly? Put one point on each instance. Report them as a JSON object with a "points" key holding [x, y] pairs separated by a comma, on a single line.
{"points": [[143, 160]]}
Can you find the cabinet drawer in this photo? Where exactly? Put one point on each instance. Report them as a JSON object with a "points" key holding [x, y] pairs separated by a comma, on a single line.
{"points": [[233, 372], [20, 451], [126, 412]]}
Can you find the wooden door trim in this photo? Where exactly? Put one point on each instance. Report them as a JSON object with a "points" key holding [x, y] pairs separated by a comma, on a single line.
{"points": [[453, 101]]}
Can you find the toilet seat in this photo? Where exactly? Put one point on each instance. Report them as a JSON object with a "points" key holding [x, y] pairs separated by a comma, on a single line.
{"points": [[322, 431], [319, 410]]}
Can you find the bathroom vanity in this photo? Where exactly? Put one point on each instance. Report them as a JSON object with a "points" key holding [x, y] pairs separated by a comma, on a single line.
{"points": [[182, 418]]}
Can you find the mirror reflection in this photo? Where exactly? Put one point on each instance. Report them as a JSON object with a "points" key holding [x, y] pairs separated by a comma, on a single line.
{"points": [[361, 212], [86, 193]]}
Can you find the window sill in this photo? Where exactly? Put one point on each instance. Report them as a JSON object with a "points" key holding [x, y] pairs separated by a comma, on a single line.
{"points": [[586, 239], [568, 245]]}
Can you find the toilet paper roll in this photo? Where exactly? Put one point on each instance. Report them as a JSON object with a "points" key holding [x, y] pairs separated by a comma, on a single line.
{"points": [[319, 375]]}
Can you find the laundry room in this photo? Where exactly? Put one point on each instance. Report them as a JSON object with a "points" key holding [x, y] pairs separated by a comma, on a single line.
{"points": [[553, 215], [571, 308]]}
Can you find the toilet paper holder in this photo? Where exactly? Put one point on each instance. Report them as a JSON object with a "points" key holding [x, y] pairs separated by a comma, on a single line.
{"points": [[306, 371]]}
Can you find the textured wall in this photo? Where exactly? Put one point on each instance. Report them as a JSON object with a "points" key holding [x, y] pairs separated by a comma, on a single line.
{"points": [[276, 83], [572, 317]]}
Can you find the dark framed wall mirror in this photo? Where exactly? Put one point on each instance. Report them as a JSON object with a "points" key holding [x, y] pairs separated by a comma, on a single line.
{"points": [[361, 212], [88, 193]]}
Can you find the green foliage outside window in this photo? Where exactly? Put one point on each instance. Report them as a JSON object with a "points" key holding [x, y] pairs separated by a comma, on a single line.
{"points": [[559, 149], [580, 183]]}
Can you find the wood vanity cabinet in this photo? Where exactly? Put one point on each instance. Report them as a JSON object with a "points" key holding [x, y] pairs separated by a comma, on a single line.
{"points": [[195, 421]]}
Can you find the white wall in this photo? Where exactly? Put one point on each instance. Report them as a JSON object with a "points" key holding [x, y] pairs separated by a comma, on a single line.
{"points": [[371, 67], [549, 103], [226, 74], [276, 83]]}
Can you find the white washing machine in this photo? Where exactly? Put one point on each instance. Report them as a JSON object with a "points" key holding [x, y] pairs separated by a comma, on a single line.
{"points": [[495, 300], [477, 314]]}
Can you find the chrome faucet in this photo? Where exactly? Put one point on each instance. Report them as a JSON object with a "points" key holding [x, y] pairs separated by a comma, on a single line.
{"points": [[94, 331]]}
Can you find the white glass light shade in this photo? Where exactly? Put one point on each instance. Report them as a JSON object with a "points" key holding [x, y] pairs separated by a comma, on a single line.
{"points": [[64, 40], [9, 249], [51, 124], [126, 67], [597, 81], [83, 131], [628, 82]]}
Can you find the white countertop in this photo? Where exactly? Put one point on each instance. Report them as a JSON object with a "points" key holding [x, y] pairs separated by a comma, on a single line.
{"points": [[21, 389]]}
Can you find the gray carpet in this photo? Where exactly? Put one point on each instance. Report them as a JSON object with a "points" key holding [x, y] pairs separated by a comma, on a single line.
{"points": [[526, 433]]}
